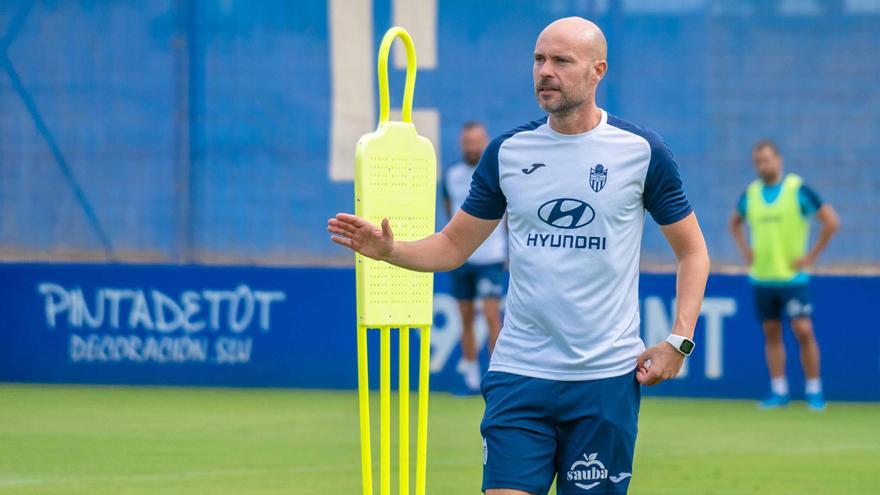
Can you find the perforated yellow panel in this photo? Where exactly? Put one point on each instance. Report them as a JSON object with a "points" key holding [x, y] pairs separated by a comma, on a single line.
{"points": [[395, 178]]}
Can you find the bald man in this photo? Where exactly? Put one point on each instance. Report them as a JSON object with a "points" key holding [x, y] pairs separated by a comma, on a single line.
{"points": [[563, 388]]}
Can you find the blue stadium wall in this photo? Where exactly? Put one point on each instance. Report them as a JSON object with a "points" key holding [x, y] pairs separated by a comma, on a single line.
{"points": [[275, 327], [202, 131], [174, 131]]}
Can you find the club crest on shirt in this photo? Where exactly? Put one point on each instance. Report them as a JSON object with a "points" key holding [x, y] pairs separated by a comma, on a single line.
{"points": [[598, 177]]}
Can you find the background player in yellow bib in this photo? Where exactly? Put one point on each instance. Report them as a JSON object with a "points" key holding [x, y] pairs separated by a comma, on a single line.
{"points": [[777, 208]]}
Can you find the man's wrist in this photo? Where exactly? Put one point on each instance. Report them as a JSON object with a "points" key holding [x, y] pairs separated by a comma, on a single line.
{"points": [[683, 345], [683, 331], [390, 256]]}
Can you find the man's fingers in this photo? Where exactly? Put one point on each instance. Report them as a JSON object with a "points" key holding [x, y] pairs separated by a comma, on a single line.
{"points": [[655, 365], [342, 241], [340, 231], [386, 229], [650, 376], [644, 357], [352, 219], [341, 225]]}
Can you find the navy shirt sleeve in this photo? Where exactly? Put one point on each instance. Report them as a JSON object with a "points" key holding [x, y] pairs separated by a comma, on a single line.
{"points": [[664, 194], [485, 199], [809, 199]]}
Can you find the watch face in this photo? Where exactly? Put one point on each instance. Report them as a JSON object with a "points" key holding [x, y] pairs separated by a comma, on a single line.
{"points": [[686, 346]]}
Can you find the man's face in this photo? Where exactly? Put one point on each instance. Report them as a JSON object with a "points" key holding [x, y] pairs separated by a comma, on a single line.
{"points": [[564, 77], [768, 164], [473, 142]]}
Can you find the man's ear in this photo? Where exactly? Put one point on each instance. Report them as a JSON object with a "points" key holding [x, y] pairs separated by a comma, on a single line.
{"points": [[601, 67]]}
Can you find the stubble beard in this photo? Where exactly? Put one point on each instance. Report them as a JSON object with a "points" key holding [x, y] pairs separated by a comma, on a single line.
{"points": [[562, 108]]}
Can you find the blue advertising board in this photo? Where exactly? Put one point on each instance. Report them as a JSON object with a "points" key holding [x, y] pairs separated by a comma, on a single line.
{"points": [[294, 327]]}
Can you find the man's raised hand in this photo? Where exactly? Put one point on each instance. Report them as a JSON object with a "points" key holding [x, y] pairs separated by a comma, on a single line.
{"points": [[360, 235]]}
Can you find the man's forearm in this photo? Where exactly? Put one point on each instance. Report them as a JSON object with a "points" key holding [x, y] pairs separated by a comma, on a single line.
{"points": [[741, 244], [830, 223], [444, 250], [436, 253], [739, 236], [690, 285], [822, 241]]}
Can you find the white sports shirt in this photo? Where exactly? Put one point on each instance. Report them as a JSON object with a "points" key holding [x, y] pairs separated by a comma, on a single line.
{"points": [[576, 209]]}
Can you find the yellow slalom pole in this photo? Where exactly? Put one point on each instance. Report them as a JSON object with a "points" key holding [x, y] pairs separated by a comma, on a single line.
{"points": [[382, 70], [379, 301], [364, 400], [403, 398], [422, 441], [385, 411]]}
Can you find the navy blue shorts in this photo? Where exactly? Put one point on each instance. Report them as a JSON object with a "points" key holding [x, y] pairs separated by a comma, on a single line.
{"points": [[792, 301], [583, 433], [470, 281]]}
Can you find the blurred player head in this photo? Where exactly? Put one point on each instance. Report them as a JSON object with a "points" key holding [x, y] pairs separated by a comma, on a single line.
{"points": [[767, 160], [569, 63], [473, 141]]}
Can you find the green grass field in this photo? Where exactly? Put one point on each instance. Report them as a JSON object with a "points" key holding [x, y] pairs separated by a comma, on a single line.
{"points": [[107, 440]]}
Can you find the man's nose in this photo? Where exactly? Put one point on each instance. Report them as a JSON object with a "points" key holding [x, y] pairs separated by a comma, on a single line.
{"points": [[545, 71]]}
